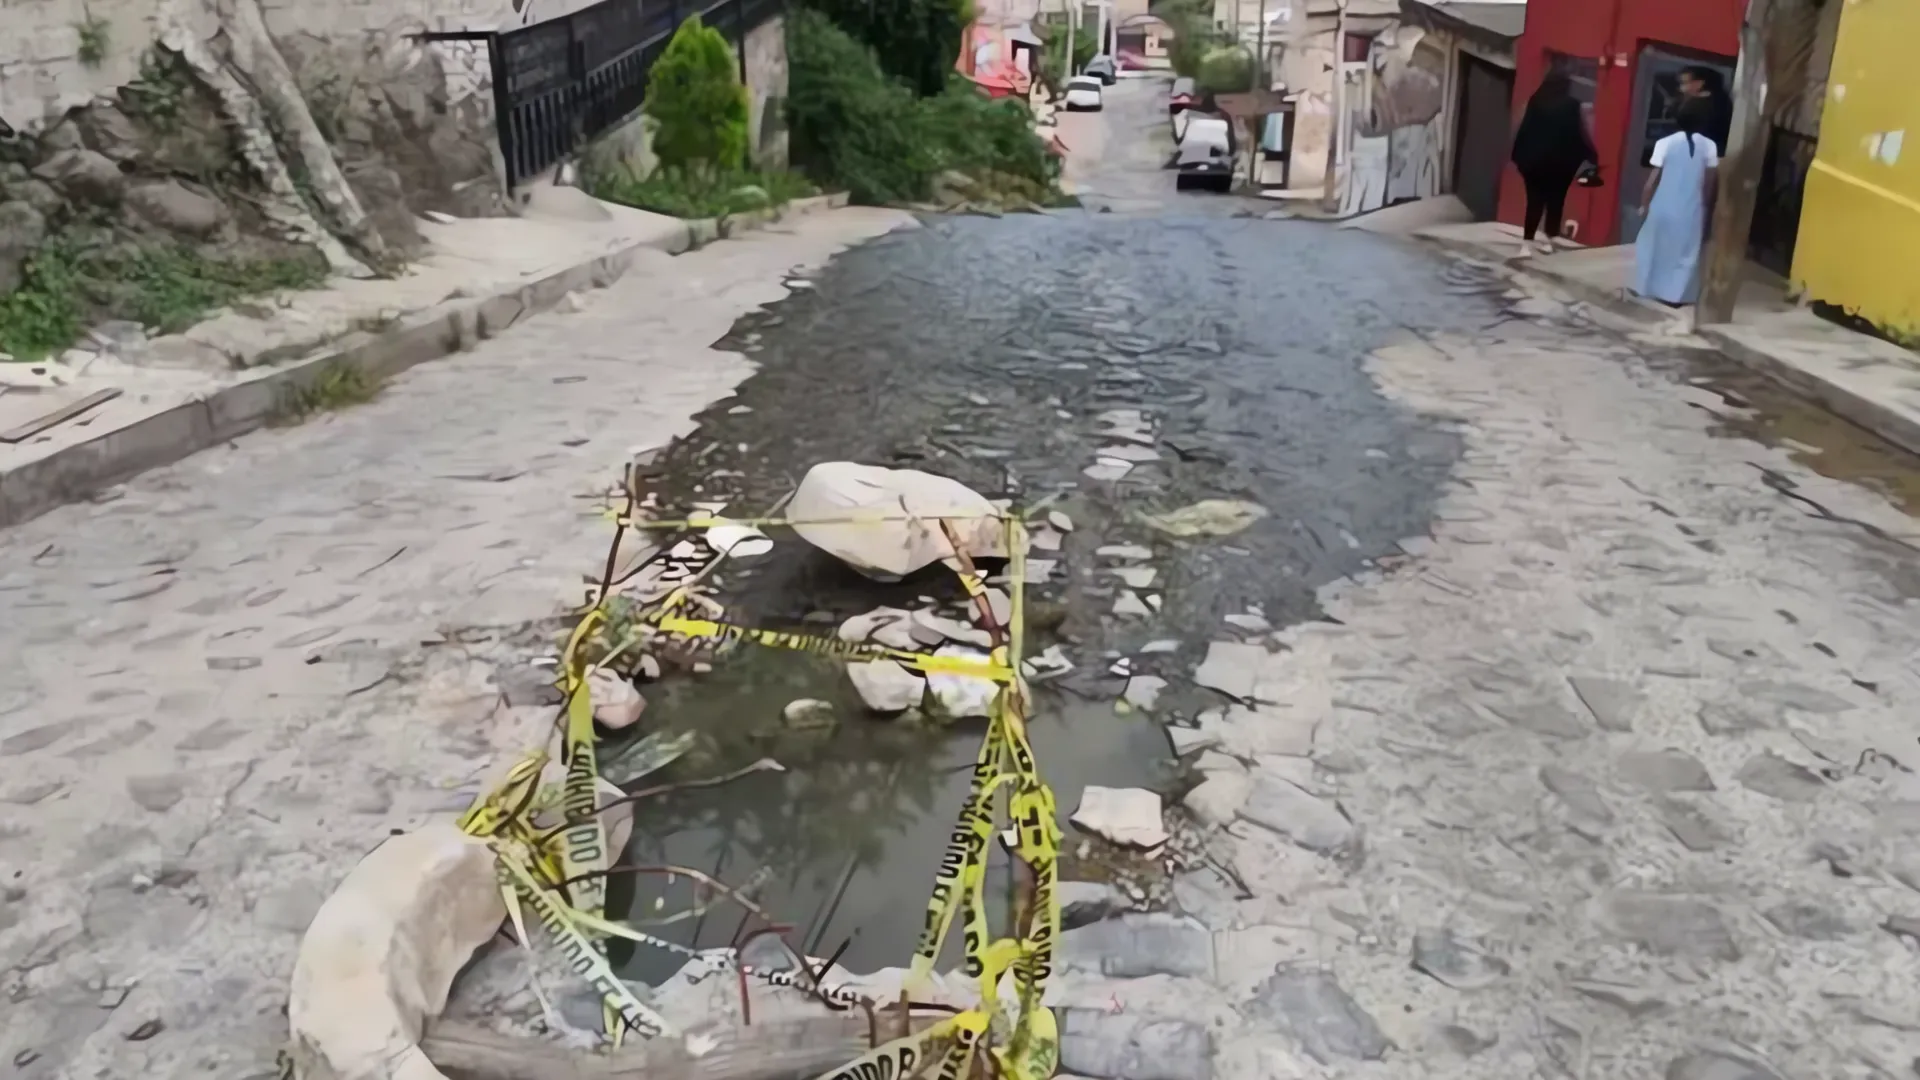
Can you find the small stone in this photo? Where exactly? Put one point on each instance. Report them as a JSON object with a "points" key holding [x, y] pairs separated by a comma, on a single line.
{"points": [[1126, 552], [1218, 799], [1044, 540], [1107, 469], [1083, 903], [1718, 1065], [1635, 1001], [1799, 696], [1060, 521], [1138, 944], [1253, 624], [930, 628], [1129, 605], [1775, 776], [1733, 718], [1741, 652], [1231, 668], [885, 686], [887, 625], [1126, 1046], [1048, 664], [1311, 1005], [1664, 771], [1668, 925], [1136, 577], [1164, 645], [1612, 702], [157, 793], [1125, 816], [1454, 962], [1307, 820], [1801, 919], [1143, 690], [617, 703], [1581, 794], [809, 714], [232, 663]]}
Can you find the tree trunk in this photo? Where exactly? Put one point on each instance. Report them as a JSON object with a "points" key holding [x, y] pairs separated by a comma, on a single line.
{"points": [[257, 59], [1724, 262]]}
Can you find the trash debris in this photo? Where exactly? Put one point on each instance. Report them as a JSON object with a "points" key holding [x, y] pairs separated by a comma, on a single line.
{"points": [[885, 686], [617, 703], [810, 714], [1126, 816], [885, 523], [961, 696], [1129, 552], [1208, 517]]}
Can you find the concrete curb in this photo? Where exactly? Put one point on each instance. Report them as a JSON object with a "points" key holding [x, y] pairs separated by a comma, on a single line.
{"points": [[165, 437], [1891, 424]]}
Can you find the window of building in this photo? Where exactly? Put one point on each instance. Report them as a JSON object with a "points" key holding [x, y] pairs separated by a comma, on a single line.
{"points": [[1358, 46]]}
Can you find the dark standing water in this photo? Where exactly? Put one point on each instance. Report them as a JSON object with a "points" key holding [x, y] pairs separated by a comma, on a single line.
{"points": [[985, 349]]}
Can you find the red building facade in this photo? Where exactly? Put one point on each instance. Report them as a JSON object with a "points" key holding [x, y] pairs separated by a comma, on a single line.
{"points": [[1623, 56]]}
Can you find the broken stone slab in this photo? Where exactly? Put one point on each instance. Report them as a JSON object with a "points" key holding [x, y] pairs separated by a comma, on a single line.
{"points": [[1719, 1065], [1137, 944], [1126, 816], [932, 629], [381, 954], [1248, 621], [1231, 667], [1107, 469], [1083, 903], [1127, 552], [1129, 605], [1048, 664], [1580, 794], [1135, 577], [1775, 776], [1664, 771], [1060, 521], [1128, 1046], [1218, 799], [1271, 729], [885, 686], [1667, 925], [1187, 740], [1312, 1006], [1309, 821], [912, 504], [1143, 690], [960, 696], [809, 714]]}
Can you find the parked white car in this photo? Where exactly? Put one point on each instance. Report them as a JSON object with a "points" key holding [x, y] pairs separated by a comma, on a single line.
{"points": [[1206, 153], [1083, 94]]}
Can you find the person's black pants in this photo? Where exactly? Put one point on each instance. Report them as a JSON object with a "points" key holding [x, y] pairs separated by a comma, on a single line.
{"points": [[1546, 201]]}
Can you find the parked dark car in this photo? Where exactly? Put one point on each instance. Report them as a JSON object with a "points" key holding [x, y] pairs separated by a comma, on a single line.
{"points": [[1206, 154], [1102, 68], [1182, 96]]}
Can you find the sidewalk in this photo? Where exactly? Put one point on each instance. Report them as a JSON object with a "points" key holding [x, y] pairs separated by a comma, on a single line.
{"points": [[121, 405], [1870, 382]]}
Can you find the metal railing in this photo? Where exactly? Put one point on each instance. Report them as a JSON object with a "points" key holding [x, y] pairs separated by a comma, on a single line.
{"points": [[559, 83]]}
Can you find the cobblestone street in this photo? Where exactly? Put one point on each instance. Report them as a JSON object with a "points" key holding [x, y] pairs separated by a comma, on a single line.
{"points": [[1582, 745]]}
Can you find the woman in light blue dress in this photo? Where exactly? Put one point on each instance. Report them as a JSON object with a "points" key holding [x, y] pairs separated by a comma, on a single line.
{"points": [[1676, 206]]}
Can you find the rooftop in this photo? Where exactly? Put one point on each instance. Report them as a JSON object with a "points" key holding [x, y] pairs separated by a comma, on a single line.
{"points": [[1502, 18]]}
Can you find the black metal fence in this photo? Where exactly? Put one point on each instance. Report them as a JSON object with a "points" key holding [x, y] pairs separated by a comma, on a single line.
{"points": [[1776, 208], [559, 83]]}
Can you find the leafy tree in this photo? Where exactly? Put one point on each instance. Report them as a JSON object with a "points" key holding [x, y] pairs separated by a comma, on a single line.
{"points": [[1227, 69], [916, 41], [695, 96], [1055, 68]]}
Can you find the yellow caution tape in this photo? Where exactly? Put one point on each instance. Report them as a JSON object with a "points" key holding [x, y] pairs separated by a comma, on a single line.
{"points": [[712, 630]]}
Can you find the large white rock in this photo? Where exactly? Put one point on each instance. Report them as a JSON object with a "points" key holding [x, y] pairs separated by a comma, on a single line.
{"points": [[836, 490], [381, 954], [961, 696], [885, 686]]}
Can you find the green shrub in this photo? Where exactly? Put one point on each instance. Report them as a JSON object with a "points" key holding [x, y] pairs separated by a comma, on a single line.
{"points": [[916, 41], [1227, 69], [695, 96], [701, 192], [1055, 67], [854, 129]]}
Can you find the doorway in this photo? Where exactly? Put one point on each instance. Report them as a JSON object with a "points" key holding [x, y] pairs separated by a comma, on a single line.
{"points": [[1481, 136], [1656, 95]]}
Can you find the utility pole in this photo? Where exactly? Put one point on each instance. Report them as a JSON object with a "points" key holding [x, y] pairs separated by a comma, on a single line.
{"points": [[1336, 152], [1724, 263], [1073, 19]]}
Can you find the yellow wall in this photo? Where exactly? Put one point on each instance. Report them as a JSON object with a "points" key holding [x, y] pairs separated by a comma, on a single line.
{"points": [[1859, 243]]}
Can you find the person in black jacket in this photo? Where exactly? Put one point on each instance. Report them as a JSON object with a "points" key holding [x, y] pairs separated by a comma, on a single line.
{"points": [[1548, 150]]}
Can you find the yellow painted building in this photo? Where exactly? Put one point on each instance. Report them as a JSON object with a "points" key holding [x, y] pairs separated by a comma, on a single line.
{"points": [[1859, 240]]}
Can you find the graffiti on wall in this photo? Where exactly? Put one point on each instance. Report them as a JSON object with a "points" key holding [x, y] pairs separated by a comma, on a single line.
{"points": [[1365, 186], [1397, 144], [1413, 162]]}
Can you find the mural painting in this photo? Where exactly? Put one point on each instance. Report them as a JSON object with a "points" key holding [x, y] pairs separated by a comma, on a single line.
{"points": [[1398, 145]]}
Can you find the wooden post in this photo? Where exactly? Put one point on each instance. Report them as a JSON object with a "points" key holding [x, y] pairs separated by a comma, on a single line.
{"points": [[1724, 263]]}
